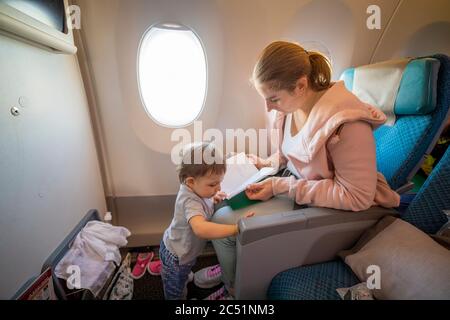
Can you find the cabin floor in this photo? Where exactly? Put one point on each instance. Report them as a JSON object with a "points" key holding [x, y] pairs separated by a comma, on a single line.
{"points": [[150, 287]]}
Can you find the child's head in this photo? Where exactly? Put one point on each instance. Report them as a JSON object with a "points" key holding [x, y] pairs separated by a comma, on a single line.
{"points": [[202, 168]]}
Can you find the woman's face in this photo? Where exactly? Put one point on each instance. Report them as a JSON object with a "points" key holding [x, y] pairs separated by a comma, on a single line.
{"points": [[283, 100]]}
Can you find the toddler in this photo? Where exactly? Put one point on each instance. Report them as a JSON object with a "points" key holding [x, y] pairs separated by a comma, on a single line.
{"points": [[200, 173]]}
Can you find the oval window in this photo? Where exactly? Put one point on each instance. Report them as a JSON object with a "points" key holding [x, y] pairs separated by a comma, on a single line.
{"points": [[172, 74]]}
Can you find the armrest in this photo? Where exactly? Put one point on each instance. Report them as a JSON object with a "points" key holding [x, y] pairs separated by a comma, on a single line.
{"points": [[277, 242], [257, 228]]}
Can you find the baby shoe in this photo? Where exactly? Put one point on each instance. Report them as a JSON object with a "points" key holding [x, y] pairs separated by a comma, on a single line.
{"points": [[208, 277], [141, 264], [221, 294], [154, 268]]}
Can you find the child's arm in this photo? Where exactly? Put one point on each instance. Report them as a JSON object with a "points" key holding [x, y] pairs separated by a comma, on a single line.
{"points": [[209, 230]]}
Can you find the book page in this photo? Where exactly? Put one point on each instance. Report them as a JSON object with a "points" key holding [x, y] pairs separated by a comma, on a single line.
{"points": [[239, 169], [240, 173]]}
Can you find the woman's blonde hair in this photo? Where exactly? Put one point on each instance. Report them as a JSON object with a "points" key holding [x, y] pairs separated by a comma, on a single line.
{"points": [[282, 63], [200, 159]]}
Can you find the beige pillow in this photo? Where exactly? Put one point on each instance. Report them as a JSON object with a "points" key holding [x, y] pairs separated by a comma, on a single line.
{"points": [[412, 265]]}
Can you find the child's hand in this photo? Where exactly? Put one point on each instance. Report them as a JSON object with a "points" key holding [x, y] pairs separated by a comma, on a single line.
{"points": [[249, 214], [219, 196]]}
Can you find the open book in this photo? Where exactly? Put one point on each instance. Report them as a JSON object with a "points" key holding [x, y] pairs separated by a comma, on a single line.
{"points": [[241, 173]]}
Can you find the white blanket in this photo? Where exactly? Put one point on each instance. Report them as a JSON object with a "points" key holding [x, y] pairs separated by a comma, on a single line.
{"points": [[95, 250]]}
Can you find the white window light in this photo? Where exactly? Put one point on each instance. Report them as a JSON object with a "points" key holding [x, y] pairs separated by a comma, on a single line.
{"points": [[172, 74]]}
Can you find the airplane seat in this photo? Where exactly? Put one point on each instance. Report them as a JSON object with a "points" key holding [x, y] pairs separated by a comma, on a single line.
{"points": [[308, 236], [420, 112], [320, 281]]}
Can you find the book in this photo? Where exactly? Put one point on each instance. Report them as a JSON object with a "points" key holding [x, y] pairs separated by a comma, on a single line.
{"points": [[241, 173]]}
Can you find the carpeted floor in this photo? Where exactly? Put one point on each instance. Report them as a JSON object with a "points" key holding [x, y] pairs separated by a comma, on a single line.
{"points": [[150, 287]]}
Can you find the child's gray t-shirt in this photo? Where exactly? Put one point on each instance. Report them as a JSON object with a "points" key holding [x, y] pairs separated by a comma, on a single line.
{"points": [[179, 238]]}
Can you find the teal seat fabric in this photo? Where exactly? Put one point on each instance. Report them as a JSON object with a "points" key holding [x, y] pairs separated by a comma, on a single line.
{"points": [[347, 77], [320, 281], [417, 92], [420, 110], [426, 210], [313, 282]]}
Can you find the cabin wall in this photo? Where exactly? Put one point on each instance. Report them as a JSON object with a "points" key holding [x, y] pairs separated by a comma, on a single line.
{"points": [[418, 28], [49, 171]]}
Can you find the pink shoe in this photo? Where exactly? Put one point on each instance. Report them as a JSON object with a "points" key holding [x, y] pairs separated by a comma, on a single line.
{"points": [[154, 268], [141, 264]]}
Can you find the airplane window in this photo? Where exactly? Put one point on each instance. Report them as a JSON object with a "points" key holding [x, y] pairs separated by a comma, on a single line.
{"points": [[172, 74], [318, 46]]}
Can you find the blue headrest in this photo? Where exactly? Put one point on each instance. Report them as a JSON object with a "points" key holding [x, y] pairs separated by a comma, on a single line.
{"points": [[417, 92]]}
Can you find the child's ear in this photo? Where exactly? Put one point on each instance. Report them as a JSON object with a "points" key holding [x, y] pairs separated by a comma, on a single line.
{"points": [[189, 181]]}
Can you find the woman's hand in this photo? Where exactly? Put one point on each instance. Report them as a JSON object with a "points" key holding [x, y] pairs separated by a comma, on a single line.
{"points": [[259, 162], [219, 196], [260, 191]]}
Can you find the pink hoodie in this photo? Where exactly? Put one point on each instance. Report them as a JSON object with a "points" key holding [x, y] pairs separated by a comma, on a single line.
{"points": [[336, 157]]}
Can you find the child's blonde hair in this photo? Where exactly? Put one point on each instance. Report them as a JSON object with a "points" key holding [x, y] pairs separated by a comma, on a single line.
{"points": [[282, 63], [200, 159]]}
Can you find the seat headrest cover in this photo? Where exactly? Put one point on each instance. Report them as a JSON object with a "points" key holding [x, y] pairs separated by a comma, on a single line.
{"points": [[417, 92], [418, 86]]}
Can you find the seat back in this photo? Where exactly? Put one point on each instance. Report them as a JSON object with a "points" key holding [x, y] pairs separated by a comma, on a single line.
{"points": [[421, 108], [426, 210]]}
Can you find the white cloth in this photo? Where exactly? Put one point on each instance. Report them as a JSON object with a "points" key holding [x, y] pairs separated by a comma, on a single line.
{"points": [[94, 250], [377, 84]]}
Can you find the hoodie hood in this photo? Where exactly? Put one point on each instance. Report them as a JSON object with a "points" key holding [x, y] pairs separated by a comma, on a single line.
{"points": [[336, 107]]}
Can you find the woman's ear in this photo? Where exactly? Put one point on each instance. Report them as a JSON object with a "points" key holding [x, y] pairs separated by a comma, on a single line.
{"points": [[301, 85]]}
